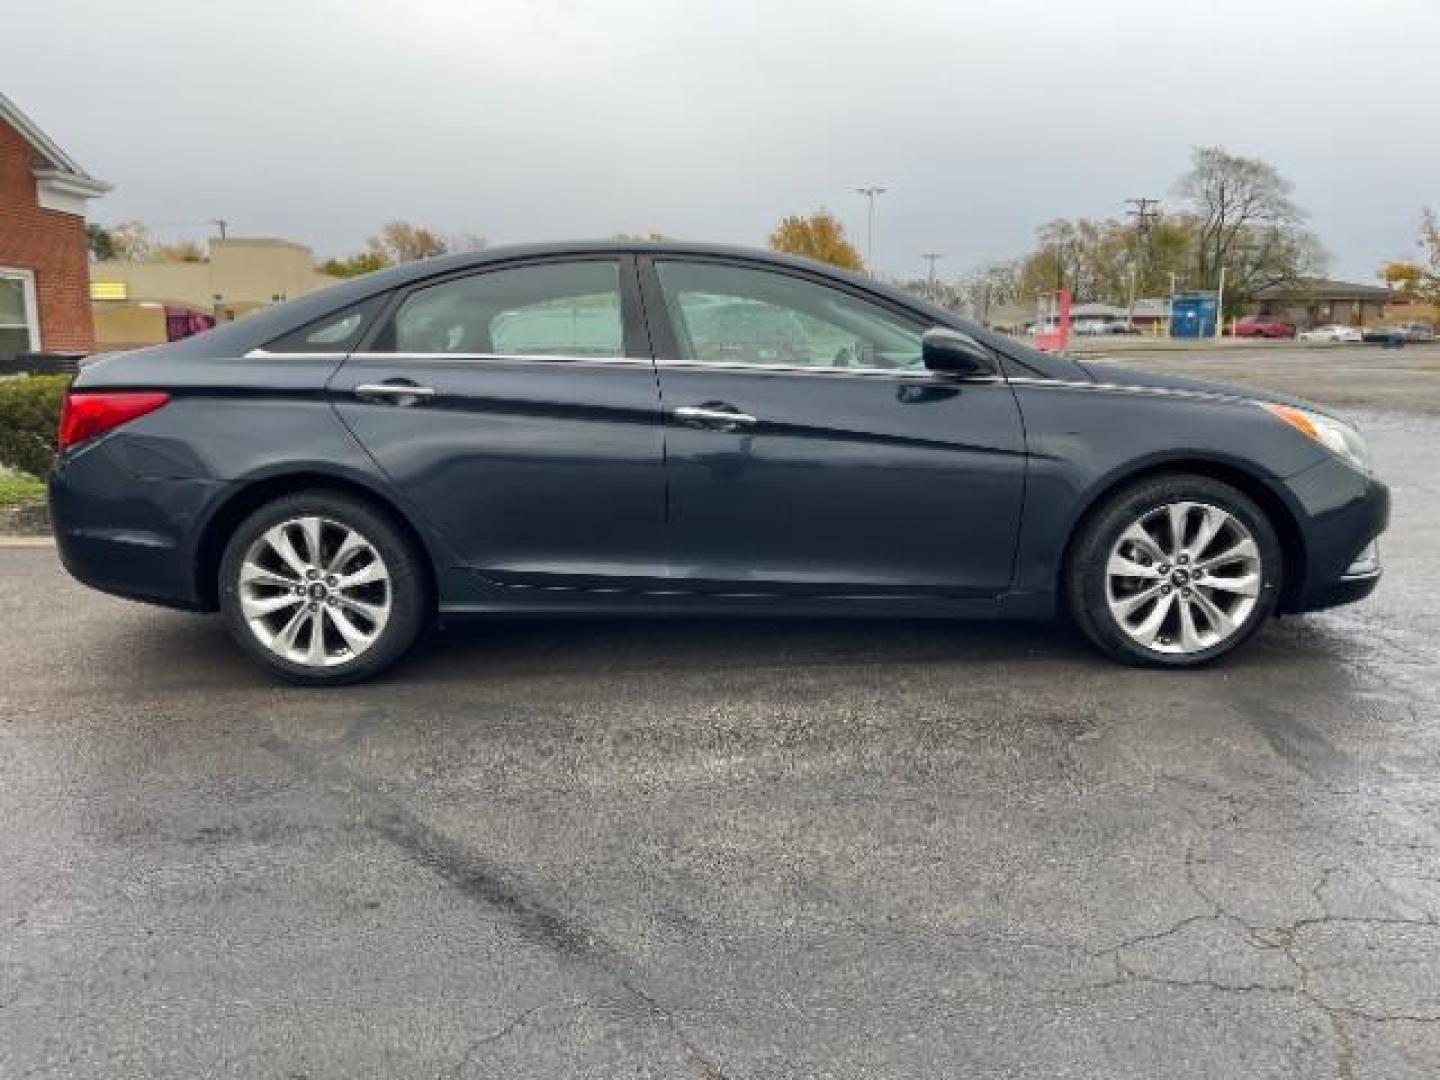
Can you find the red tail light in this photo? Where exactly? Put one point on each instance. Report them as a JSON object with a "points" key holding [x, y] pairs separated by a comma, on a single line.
{"points": [[87, 414]]}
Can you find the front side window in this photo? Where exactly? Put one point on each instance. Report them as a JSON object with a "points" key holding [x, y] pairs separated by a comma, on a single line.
{"points": [[18, 332], [553, 309], [726, 314]]}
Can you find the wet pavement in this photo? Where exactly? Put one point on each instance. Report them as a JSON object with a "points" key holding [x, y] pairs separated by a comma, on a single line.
{"points": [[746, 849]]}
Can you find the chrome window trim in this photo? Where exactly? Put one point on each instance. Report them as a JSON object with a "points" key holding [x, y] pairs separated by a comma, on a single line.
{"points": [[633, 361], [266, 354], [828, 372], [502, 358]]}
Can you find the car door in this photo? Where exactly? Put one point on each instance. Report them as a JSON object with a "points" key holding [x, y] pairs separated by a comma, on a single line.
{"points": [[809, 451], [517, 408]]}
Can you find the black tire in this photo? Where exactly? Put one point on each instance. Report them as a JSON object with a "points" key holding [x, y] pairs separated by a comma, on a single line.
{"points": [[1086, 587], [408, 588]]}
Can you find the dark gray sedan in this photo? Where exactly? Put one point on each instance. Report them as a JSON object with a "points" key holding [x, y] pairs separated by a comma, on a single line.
{"points": [[622, 429]]}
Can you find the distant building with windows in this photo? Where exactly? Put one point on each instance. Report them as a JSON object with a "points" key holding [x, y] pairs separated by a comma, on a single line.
{"points": [[1319, 301], [1151, 315], [44, 254]]}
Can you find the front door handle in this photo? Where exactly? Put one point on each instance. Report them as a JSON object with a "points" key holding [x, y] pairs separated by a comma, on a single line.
{"points": [[715, 415], [395, 392]]}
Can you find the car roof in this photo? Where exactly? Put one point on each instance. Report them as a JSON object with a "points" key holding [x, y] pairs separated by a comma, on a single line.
{"points": [[256, 330]]}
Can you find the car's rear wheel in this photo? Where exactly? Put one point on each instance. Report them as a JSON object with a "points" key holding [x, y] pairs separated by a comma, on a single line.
{"points": [[1174, 571], [321, 587]]}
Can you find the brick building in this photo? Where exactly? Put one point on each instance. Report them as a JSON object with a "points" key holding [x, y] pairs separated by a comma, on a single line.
{"points": [[44, 258]]}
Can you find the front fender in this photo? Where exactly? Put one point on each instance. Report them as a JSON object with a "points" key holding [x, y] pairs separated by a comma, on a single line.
{"points": [[1086, 441]]}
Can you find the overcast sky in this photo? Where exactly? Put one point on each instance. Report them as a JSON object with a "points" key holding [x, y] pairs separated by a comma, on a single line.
{"points": [[534, 119]]}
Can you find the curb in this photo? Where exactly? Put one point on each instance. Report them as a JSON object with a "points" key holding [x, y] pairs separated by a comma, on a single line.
{"points": [[25, 520]]}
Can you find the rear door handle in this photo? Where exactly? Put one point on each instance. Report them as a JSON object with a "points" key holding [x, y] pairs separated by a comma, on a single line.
{"points": [[718, 416], [395, 392]]}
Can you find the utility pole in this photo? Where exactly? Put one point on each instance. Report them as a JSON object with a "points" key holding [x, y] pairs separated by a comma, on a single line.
{"points": [[931, 257], [221, 224], [870, 193], [1145, 214]]}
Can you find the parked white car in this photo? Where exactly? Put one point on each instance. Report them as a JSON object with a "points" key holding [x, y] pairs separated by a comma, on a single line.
{"points": [[1332, 332]]}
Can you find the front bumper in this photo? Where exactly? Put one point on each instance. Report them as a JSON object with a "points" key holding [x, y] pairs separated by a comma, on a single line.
{"points": [[1340, 513]]}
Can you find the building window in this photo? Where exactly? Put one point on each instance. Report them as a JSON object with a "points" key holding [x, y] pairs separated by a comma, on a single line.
{"points": [[19, 324]]}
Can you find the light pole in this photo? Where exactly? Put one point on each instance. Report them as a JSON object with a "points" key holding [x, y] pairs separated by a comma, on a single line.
{"points": [[1170, 308], [930, 257], [870, 193], [1220, 307]]}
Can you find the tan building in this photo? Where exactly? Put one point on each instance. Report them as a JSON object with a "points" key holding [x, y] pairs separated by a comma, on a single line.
{"points": [[1317, 301], [143, 303]]}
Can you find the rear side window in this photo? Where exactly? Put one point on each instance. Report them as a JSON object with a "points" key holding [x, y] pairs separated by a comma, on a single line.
{"points": [[569, 309], [337, 332]]}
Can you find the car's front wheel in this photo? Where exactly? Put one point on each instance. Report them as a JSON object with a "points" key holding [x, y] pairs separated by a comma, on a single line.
{"points": [[1174, 571], [320, 587]]}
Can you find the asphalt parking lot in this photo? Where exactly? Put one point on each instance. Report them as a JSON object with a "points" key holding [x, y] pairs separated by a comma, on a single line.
{"points": [[743, 849]]}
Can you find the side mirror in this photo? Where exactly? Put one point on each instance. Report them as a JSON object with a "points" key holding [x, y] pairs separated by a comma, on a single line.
{"points": [[955, 353]]}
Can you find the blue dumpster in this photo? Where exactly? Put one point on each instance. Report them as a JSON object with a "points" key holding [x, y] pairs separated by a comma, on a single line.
{"points": [[1192, 315]]}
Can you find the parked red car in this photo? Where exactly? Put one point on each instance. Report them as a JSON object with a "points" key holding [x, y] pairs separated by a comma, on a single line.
{"points": [[1264, 328]]}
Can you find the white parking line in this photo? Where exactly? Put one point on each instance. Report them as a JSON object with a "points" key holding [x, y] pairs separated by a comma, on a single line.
{"points": [[26, 541]]}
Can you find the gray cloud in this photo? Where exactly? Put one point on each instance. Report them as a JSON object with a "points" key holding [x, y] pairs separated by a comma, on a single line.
{"points": [[529, 119]]}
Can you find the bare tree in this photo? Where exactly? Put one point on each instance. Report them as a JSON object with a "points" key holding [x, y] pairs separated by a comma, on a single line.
{"points": [[404, 241], [1427, 280], [132, 240], [466, 241], [1244, 219], [985, 288]]}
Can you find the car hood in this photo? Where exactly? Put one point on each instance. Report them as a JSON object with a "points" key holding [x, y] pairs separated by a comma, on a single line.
{"points": [[1119, 375]]}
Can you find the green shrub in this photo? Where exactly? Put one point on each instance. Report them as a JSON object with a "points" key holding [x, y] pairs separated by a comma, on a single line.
{"points": [[18, 488], [29, 419]]}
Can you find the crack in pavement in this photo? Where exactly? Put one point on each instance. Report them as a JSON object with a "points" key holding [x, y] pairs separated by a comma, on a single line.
{"points": [[493, 1037], [484, 882], [1283, 938]]}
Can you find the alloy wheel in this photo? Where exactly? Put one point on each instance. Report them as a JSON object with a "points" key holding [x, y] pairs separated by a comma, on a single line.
{"points": [[1183, 578], [315, 591]]}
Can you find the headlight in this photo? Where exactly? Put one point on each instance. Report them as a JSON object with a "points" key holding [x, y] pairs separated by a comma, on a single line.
{"points": [[1340, 439]]}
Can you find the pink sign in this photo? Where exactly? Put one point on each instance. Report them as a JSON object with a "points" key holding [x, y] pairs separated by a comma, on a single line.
{"points": [[1055, 340]]}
